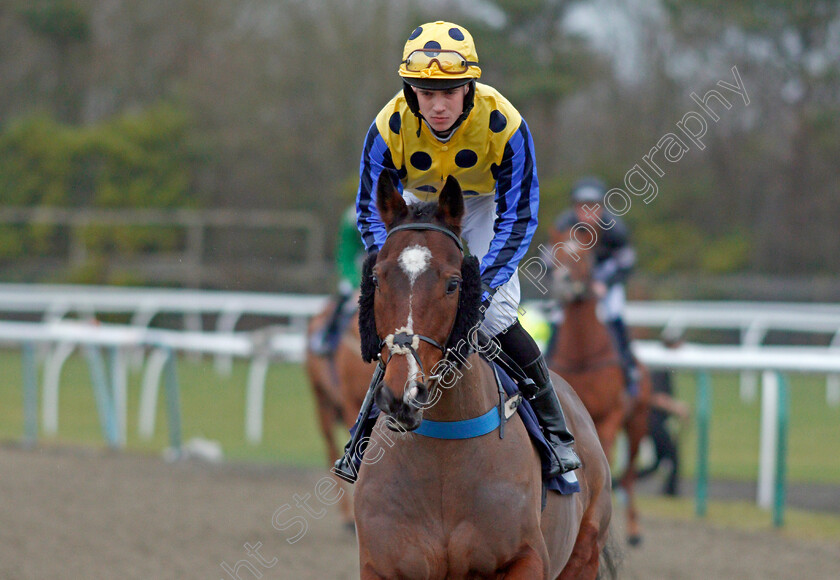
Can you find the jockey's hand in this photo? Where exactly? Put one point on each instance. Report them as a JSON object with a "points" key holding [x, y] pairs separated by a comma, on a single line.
{"points": [[599, 288], [681, 410]]}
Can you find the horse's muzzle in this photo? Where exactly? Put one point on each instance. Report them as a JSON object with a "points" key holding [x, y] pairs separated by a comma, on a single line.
{"points": [[406, 411]]}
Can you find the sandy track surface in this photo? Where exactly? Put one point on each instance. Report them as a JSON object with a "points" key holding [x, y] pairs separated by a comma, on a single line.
{"points": [[70, 513]]}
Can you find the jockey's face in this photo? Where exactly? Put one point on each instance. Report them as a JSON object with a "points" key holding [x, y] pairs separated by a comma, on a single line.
{"points": [[441, 108], [591, 213]]}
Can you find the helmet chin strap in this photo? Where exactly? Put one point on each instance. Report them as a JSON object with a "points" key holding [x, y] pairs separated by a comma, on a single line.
{"points": [[414, 107]]}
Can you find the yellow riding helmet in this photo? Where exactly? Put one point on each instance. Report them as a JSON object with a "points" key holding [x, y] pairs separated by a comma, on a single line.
{"points": [[439, 55]]}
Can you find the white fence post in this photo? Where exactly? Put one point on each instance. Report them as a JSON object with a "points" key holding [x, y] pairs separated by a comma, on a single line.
{"points": [[769, 439], [226, 324], [255, 399], [149, 393], [832, 382], [119, 386], [52, 377], [751, 337]]}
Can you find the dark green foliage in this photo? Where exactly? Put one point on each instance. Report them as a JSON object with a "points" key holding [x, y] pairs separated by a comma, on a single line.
{"points": [[538, 64], [61, 21], [138, 160], [281, 94]]}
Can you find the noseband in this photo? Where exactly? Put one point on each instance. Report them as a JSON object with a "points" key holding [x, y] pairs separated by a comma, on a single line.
{"points": [[575, 290], [405, 343]]}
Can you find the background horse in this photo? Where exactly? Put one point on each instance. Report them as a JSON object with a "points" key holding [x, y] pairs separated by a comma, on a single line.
{"points": [[339, 383], [583, 352], [457, 508]]}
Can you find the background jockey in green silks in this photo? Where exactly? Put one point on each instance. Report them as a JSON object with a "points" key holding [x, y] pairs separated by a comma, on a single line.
{"points": [[349, 254]]}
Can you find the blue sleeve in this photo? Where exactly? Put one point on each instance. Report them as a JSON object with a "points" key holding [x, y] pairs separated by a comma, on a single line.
{"points": [[517, 205], [376, 158]]}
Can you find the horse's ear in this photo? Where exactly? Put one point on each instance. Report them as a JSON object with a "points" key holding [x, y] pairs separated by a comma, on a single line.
{"points": [[367, 320], [451, 204], [389, 202]]}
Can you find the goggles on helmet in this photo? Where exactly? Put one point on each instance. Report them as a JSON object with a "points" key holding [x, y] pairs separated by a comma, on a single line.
{"points": [[448, 61]]}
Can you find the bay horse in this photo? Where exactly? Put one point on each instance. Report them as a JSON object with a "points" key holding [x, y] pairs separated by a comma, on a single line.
{"points": [[338, 382], [435, 508], [583, 353]]}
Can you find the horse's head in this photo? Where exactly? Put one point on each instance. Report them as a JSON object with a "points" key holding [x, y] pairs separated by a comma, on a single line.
{"points": [[573, 256], [420, 297]]}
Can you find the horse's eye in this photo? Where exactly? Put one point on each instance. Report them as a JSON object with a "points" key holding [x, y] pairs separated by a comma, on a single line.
{"points": [[375, 281], [452, 285]]}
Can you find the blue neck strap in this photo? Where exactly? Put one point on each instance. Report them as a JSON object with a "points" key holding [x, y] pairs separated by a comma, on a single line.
{"points": [[466, 429]]}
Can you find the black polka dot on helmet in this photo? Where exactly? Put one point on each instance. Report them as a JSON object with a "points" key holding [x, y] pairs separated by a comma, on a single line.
{"points": [[439, 55]]}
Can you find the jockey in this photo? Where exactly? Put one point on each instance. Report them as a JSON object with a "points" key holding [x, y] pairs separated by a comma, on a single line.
{"points": [[614, 260], [445, 123], [349, 254]]}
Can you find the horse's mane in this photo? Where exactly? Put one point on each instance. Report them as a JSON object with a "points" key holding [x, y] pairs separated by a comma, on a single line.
{"points": [[469, 301], [422, 212], [427, 212], [367, 321]]}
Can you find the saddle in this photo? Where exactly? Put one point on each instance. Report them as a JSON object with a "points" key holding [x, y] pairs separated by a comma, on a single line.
{"points": [[563, 484], [325, 341]]}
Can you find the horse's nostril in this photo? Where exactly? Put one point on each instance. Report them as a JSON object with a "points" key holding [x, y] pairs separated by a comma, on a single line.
{"points": [[417, 394], [404, 410], [384, 398]]}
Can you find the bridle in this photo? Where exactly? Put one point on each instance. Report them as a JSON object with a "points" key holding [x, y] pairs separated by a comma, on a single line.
{"points": [[575, 290], [428, 227], [406, 343], [402, 342]]}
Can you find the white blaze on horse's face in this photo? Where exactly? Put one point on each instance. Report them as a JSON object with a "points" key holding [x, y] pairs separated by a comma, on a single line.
{"points": [[413, 260]]}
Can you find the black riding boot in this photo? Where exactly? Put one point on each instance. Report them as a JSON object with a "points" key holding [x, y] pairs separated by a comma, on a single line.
{"points": [[547, 407], [629, 365], [520, 346]]}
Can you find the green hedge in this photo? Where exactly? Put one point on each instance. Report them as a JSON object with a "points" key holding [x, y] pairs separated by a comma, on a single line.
{"points": [[137, 160]]}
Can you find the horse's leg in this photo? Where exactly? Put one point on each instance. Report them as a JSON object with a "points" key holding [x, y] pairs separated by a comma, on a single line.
{"points": [[529, 566], [636, 427], [608, 428], [584, 560], [324, 407], [328, 419], [328, 414]]}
